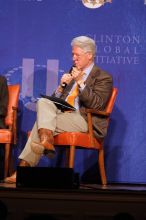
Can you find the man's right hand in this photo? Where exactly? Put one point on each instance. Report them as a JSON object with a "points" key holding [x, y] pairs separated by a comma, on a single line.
{"points": [[66, 78]]}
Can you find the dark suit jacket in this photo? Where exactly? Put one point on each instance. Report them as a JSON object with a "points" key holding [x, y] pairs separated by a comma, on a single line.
{"points": [[3, 100], [95, 95]]}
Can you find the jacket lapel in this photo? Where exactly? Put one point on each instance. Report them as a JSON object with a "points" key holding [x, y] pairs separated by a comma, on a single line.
{"points": [[91, 76]]}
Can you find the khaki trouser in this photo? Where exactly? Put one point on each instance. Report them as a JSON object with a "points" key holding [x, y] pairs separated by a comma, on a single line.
{"points": [[49, 117]]}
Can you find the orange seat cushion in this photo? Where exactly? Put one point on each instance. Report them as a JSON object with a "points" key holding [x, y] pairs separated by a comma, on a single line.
{"points": [[76, 139]]}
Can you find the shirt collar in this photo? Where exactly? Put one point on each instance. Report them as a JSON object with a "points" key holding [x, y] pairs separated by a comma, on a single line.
{"points": [[88, 70]]}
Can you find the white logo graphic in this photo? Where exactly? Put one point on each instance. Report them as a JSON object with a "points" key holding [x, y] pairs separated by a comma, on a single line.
{"points": [[29, 76], [95, 3]]}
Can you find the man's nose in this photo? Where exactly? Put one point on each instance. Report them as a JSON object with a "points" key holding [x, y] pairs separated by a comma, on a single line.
{"points": [[74, 57]]}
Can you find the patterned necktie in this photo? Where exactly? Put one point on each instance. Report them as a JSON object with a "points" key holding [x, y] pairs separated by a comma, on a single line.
{"points": [[73, 95]]}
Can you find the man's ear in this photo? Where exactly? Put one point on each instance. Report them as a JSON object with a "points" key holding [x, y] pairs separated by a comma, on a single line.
{"points": [[90, 55]]}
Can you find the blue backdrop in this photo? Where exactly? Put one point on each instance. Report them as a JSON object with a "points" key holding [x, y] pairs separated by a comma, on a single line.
{"points": [[35, 51]]}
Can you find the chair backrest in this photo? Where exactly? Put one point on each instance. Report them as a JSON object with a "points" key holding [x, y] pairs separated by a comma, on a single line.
{"points": [[13, 91], [111, 101]]}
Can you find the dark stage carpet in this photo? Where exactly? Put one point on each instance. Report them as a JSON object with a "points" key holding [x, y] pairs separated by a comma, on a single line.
{"points": [[88, 202]]}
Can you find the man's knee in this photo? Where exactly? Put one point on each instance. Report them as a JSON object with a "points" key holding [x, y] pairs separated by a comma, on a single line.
{"points": [[46, 104], [43, 101]]}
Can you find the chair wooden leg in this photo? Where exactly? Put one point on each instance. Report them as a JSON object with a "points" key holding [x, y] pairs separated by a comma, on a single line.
{"points": [[11, 164], [71, 156], [102, 167], [7, 158]]}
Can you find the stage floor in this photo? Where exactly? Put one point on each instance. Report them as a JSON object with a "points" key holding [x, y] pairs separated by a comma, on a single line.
{"points": [[90, 201], [109, 187]]}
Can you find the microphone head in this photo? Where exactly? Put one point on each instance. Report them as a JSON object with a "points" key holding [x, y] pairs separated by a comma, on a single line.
{"points": [[64, 84]]}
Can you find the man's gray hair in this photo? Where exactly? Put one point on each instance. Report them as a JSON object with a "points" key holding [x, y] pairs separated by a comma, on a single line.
{"points": [[85, 43]]}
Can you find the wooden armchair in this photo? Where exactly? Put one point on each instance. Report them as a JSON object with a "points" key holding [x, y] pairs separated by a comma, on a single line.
{"points": [[73, 140], [8, 135]]}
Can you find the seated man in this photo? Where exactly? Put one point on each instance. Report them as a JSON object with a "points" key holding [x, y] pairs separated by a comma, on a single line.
{"points": [[3, 100], [90, 86]]}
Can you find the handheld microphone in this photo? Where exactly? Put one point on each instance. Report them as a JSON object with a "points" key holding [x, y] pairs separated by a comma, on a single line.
{"points": [[64, 84]]}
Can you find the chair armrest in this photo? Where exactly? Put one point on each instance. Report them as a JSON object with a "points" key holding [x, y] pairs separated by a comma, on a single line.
{"points": [[93, 111]]}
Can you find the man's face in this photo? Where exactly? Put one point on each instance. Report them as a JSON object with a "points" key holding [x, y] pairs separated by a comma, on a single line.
{"points": [[80, 58]]}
